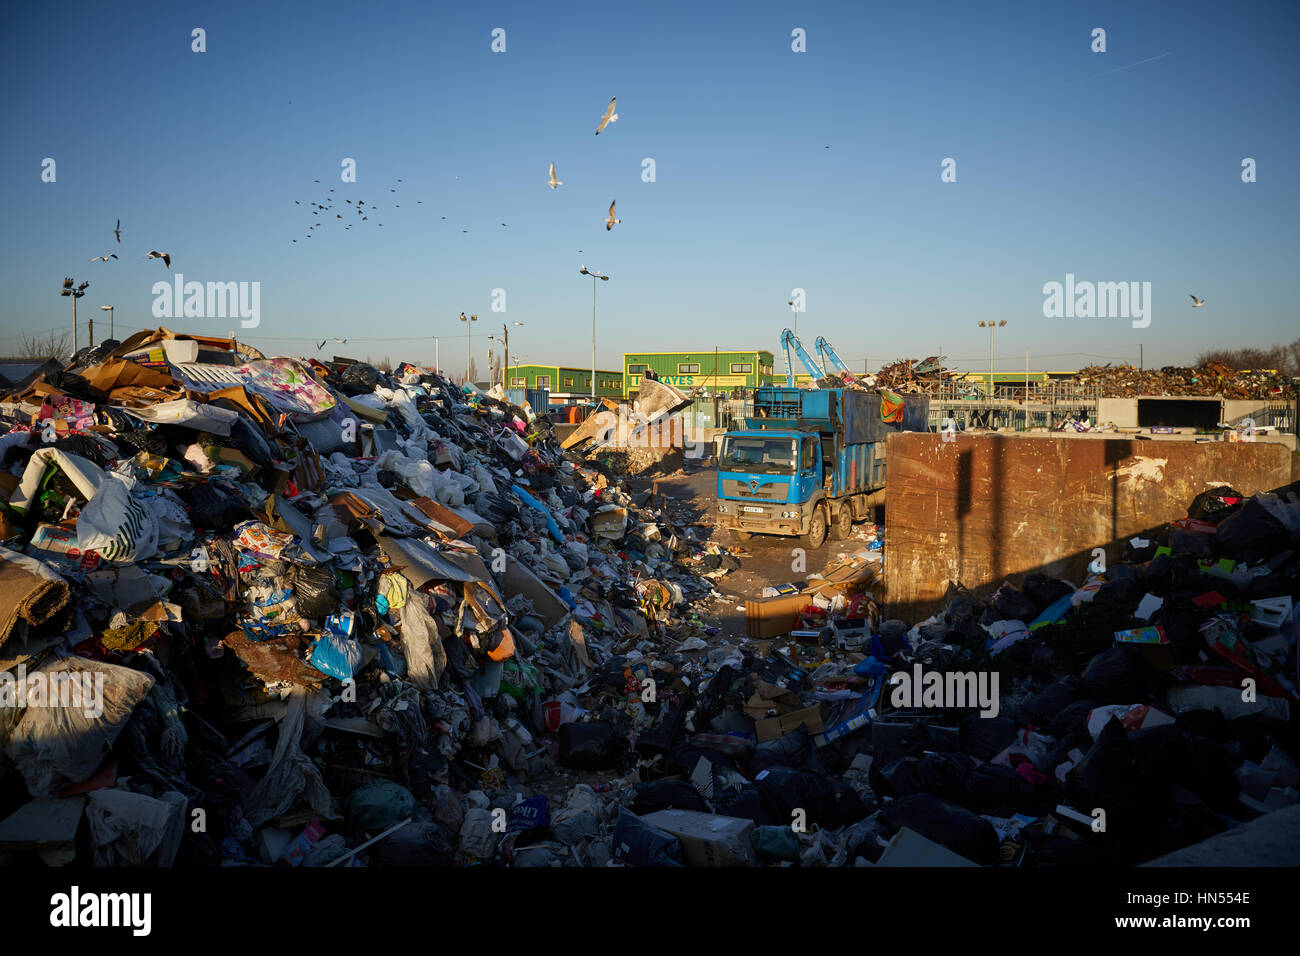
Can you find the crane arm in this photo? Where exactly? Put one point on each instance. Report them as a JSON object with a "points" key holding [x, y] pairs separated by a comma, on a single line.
{"points": [[830, 359], [789, 340]]}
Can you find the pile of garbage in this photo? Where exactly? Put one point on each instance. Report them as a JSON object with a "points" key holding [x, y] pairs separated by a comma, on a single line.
{"points": [[1145, 710], [914, 375], [262, 611], [268, 610], [1213, 379], [638, 437]]}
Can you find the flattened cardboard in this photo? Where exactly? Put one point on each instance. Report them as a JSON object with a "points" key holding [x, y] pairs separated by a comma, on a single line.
{"points": [[772, 728], [518, 579]]}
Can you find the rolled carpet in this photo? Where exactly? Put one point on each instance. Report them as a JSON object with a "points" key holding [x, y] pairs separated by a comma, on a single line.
{"points": [[30, 591]]}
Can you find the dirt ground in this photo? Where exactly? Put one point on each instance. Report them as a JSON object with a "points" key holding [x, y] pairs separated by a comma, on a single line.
{"points": [[764, 559]]}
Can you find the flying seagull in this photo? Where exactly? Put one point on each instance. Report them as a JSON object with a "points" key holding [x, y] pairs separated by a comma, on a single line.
{"points": [[165, 257], [117, 230], [321, 344], [553, 182], [610, 220], [1196, 303], [609, 116], [111, 255]]}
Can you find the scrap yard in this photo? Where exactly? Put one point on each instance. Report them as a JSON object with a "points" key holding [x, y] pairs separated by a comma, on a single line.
{"points": [[357, 616]]}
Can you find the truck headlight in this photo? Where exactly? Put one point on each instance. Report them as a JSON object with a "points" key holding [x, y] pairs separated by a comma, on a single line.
{"points": [[789, 514], [722, 508]]}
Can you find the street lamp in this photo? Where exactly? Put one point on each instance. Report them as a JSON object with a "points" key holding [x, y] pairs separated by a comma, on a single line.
{"points": [[594, 276], [991, 326], [469, 329], [505, 339], [76, 294], [795, 310], [109, 310]]}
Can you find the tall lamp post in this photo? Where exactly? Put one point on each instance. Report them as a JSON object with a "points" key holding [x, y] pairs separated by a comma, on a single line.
{"points": [[469, 330], [76, 294], [991, 326], [505, 340], [594, 276], [795, 310], [109, 310]]}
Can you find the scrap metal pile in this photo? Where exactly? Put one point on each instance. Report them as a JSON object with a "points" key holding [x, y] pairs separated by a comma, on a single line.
{"points": [[914, 375], [1215, 378]]}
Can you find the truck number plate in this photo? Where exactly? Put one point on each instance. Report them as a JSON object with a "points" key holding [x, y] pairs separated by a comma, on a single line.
{"points": [[752, 508]]}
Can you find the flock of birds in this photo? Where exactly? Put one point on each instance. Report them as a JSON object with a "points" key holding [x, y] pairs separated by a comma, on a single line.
{"points": [[152, 254], [359, 211], [363, 212]]}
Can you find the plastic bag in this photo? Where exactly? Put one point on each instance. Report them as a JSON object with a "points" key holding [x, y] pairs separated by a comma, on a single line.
{"points": [[336, 653], [775, 843], [315, 591], [666, 795], [1252, 534], [640, 844], [590, 746], [1117, 675], [957, 828], [214, 508], [57, 745], [379, 804]]}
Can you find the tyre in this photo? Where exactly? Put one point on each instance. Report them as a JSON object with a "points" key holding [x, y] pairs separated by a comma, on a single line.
{"points": [[816, 535], [843, 526]]}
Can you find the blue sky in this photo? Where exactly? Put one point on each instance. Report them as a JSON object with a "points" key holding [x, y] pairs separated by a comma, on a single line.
{"points": [[1068, 161]]}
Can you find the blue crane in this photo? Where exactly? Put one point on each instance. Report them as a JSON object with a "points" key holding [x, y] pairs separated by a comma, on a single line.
{"points": [[826, 352], [790, 340]]}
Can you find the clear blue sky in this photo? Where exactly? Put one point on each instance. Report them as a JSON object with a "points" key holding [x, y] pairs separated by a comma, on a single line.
{"points": [[1066, 162]]}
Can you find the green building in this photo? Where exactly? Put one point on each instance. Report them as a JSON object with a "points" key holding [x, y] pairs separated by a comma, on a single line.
{"points": [[714, 371], [561, 380]]}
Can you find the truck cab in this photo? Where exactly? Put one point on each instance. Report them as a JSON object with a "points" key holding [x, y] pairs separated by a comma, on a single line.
{"points": [[768, 481], [809, 461]]}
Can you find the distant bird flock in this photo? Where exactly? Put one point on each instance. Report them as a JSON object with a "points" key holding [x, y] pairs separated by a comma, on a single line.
{"points": [[360, 211]]}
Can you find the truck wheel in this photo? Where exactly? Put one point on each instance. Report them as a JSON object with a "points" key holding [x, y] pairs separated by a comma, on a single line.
{"points": [[743, 535], [843, 526], [816, 535]]}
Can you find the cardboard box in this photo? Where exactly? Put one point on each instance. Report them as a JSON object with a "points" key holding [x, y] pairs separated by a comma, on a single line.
{"points": [[707, 839], [772, 728], [771, 617]]}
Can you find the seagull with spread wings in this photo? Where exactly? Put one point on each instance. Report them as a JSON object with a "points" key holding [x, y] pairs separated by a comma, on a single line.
{"points": [[553, 182], [165, 257], [610, 220], [609, 117], [111, 255], [117, 230], [1196, 303]]}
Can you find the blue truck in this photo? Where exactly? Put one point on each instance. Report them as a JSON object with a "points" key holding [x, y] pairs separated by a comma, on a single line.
{"points": [[809, 461]]}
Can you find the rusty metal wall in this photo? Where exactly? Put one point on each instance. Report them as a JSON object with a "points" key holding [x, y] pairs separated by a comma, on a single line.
{"points": [[982, 508]]}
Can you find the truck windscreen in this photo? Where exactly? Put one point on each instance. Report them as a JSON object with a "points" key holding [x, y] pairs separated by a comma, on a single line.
{"points": [[756, 455]]}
